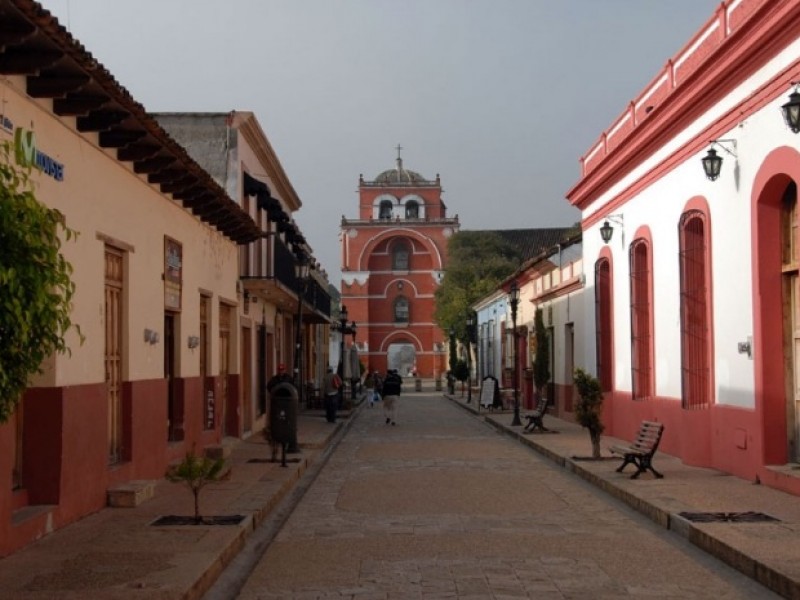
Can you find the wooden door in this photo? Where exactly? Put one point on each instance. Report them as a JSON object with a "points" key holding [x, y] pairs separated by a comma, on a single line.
{"points": [[113, 349], [224, 358]]}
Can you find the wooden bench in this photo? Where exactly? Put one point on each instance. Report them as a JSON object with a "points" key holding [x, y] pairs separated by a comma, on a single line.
{"points": [[535, 419], [640, 452]]}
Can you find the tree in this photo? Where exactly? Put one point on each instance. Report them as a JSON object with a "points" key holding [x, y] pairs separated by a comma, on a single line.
{"points": [[196, 472], [541, 364], [590, 407], [36, 281], [477, 261]]}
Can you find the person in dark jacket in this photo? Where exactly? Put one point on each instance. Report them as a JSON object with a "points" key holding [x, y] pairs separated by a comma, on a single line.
{"points": [[392, 386]]}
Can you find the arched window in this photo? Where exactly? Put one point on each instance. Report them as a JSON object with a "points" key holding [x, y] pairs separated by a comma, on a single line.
{"points": [[603, 326], [412, 209], [400, 255], [401, 309], [641, 278], [385, 209], [695, 310]]}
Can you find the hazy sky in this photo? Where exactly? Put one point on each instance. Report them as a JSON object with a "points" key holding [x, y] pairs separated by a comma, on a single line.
{"points": [[500, 97]]}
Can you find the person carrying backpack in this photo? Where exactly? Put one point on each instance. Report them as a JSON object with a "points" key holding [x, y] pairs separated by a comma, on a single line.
{"points": [[392, 386]]}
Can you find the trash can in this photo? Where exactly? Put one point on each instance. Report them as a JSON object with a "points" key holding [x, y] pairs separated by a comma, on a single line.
{"points": [[283, 413]]}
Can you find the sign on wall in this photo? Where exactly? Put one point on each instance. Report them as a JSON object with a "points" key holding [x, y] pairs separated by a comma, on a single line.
{"points": [[173, 270]]}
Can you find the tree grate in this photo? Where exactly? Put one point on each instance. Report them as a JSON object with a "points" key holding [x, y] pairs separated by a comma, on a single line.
{"points": [[728, 517], [179, 520]]}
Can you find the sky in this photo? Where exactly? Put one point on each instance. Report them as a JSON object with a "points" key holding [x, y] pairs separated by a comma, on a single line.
{"points": [[501, 98]]}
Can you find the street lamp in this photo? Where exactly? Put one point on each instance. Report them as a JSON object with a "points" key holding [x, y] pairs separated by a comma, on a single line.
{"points": [[513, 299], [344, 329], [302, 270], [470, 325]]}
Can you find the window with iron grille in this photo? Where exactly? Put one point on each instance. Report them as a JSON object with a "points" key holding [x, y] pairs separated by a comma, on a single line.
{"points": [[641, 320], [602, 315], [695, 311]]}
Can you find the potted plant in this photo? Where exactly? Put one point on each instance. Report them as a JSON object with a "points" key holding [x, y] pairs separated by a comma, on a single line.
{"points": [[589, 408], [541, 363]]}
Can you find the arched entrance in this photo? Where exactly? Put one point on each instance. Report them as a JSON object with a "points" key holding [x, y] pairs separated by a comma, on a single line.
{"points": [[401, 356], [776, 302]]}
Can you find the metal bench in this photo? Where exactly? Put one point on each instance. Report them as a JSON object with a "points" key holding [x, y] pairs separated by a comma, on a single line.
{"points": [[535, 419], [640, 452]]}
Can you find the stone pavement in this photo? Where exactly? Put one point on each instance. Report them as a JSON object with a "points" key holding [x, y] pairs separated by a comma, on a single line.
{"points": [[117, 554]]}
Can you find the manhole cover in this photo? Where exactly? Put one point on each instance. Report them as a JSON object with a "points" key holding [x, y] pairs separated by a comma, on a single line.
{"points": [[728, 517], [178, 520], [269, 460]]}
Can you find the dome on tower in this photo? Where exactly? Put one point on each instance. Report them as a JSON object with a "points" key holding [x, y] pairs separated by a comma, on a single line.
{"points": [[400, 175]]}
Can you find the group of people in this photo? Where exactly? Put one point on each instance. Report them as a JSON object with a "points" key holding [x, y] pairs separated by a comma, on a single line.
{"points": [[386, 389]]}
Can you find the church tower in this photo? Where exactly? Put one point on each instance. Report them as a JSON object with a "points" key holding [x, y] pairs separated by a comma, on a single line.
{"points": [[393, 259]]}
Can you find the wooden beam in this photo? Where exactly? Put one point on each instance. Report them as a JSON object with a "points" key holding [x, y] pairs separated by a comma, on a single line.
{"points": [[75, 105], [55, 85], [137, 152], [166, 176], [153, 165], [117, 138], [13, 33], [100, 120], [27, 61]]}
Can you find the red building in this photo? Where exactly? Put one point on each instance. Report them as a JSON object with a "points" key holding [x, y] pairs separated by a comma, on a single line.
{"points": [[393, 259]]}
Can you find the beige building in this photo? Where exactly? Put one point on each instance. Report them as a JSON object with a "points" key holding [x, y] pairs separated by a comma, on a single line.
{"points": [[175, 340]]}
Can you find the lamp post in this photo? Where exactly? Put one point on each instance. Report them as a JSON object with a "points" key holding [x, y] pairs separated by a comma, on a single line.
{"points": [[470, 325], [513, 299], [344, 329], [451, 360], [302, 269]]}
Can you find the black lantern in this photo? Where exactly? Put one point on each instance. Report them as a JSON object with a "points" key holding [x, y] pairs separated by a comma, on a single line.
{"points": [[712, 164], [791, 111], [606, 231]]}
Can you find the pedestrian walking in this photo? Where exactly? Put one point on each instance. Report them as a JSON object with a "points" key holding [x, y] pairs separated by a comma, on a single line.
{"points": [[392, 386], [331, 385], [373, 384]]}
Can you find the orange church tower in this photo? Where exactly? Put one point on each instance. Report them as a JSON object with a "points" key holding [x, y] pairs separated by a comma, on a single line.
{"points": [[393, 259]]}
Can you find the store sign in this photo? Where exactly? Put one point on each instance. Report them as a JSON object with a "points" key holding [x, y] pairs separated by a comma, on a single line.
{"points": [[28, 155], [173, 269]]}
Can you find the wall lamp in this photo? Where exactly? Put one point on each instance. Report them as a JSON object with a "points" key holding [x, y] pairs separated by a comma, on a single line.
{"points": [[150, 336], [606, 231], [193, 341], [791, 110], [712, 162]]}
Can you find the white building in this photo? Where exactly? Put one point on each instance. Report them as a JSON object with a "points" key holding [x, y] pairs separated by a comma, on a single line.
{"points": [[697, 291]]}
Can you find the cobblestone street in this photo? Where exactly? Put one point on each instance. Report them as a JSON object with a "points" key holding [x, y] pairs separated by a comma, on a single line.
{"points": [[442, 506]]}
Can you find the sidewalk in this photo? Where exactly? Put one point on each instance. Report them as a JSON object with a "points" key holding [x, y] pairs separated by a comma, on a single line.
{"points": [[768, 552], [117, 554]]}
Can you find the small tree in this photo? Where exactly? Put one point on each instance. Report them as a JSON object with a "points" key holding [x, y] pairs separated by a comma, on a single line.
{"points": [[541, 363], [196, 472], [589, 408]]}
